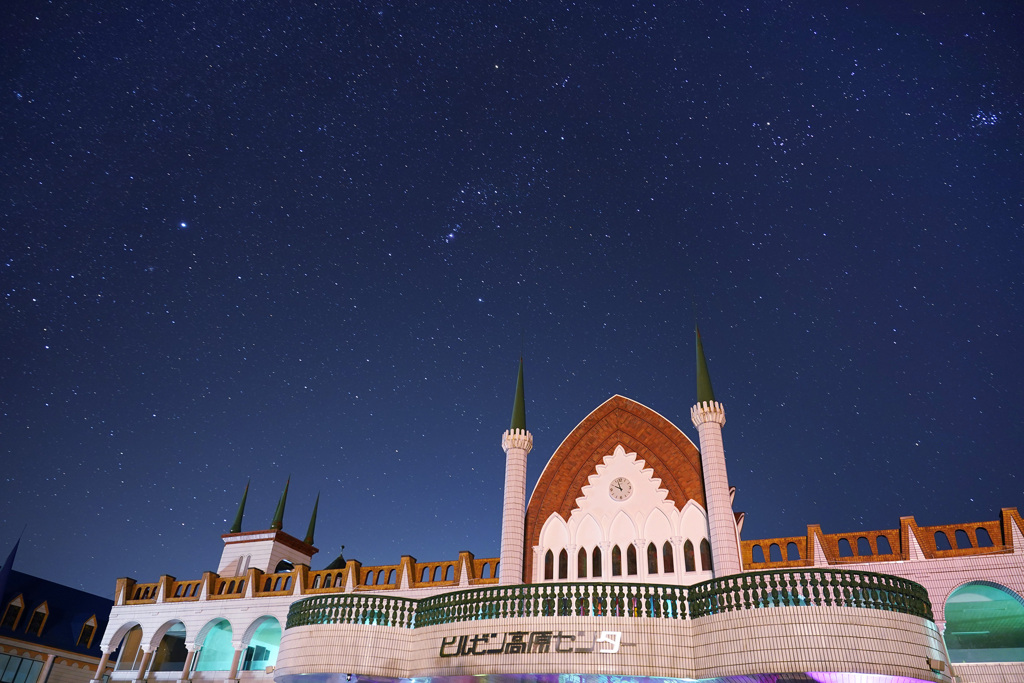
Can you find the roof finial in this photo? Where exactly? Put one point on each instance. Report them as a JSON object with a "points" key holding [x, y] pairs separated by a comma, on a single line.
{"points": [[312, 521], [519, 406], [704, 390], [278, 522], [236, 528]]}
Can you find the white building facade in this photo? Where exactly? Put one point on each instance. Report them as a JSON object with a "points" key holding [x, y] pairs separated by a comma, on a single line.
{"points": [[626, 562]]}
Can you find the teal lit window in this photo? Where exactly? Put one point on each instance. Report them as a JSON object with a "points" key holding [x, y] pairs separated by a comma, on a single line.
{"points": [[217, 651], [984, 623], [263, 646]]}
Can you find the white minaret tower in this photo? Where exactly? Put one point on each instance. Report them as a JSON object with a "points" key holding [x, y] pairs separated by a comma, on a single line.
{"points": [[708, 417], [516, 443]]}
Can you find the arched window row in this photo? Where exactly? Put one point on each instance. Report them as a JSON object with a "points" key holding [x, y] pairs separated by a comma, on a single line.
{"points": [[623, 561], [338, 580], [440, 572], [982, 539], [215, 652]]}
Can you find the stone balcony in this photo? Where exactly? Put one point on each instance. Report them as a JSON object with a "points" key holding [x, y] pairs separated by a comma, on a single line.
{"points": [[804, 624]]}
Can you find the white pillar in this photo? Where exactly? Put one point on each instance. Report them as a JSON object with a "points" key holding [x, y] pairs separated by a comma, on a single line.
{"points": [[708, 417], [517, 444], [101, 668]]}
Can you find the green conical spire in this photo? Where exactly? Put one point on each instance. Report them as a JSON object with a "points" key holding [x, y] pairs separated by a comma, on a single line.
{"points": [[519, 406], [236, 528], [704, 390], [278, 522], [312, 522]]}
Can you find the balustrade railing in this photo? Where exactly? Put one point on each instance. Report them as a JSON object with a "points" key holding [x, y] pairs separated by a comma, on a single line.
{"points": [[359, 608], [554, 599], [753, 590], [809, 587]]}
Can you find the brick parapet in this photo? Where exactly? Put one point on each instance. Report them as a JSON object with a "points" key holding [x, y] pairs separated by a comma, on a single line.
{"points": [[901, 543]]}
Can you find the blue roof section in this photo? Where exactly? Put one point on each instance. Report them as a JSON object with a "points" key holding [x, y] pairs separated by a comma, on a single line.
{"points": [[69, 609]]}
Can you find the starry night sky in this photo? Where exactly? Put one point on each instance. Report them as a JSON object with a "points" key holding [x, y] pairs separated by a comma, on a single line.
{"points": [[254, 240]]}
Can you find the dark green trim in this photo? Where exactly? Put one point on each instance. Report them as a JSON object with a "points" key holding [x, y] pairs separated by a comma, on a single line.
{"points": [[519, 405], [704, 390], [278, 522], [236, 528], [312, 522]]}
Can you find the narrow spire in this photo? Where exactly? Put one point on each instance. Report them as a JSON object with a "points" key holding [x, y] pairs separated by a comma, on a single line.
{"points": [[236, 528], [519, 406], [704, 390], [312, 522], [278, 522]]}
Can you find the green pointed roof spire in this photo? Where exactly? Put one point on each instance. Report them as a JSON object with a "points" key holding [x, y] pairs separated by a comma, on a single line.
{"points": [[312, 522], [236, 528], [519, 406], [278, 522], [704, 390]]}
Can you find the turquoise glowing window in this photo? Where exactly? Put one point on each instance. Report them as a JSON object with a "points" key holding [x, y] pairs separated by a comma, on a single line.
{"points": [[984, 623], [217, 651], [263, 646]]}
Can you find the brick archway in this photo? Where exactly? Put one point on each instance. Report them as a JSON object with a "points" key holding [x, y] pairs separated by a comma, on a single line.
{"points": [[619, 420]]}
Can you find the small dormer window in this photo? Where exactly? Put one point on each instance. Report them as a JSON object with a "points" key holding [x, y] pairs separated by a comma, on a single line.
{"points": [[12, 613], [35, 624], [88, 631]]}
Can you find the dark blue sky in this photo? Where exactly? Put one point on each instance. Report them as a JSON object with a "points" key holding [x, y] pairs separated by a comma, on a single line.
{"points": [[270, 239]]}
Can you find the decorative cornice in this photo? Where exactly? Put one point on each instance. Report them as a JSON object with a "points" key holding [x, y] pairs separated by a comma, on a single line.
{"points": [[517, 438], [281, 537], [708, 411]]}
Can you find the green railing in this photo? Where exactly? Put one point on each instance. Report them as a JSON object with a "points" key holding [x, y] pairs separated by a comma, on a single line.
{"points": [[754, 590], [555, 600], [353, 609], [809, 587]]}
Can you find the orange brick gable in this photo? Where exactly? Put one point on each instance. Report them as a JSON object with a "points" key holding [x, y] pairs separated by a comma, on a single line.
{"points": [[619, 420]]}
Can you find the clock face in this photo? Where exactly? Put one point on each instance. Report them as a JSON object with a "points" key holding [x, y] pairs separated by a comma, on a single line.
{"points": [[620, 489]]}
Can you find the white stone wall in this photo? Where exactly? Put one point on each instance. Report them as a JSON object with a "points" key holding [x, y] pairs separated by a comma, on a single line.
{"points": [[257, 549], [942, 576], [990, 673], [646, 516], [769, 640]]}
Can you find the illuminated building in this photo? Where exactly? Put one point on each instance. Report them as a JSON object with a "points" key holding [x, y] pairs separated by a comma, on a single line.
{"points": [[626, 563]]}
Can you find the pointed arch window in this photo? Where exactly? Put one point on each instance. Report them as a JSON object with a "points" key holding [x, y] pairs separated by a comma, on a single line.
{"points": [[87, 632], [38, 620], [631, 560], [563, 564], [581, 563], [596, 564], [705, 556], [616, 561], [688, 561], [668, 562], [12, 614], [652, 558], [549, 566]]}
